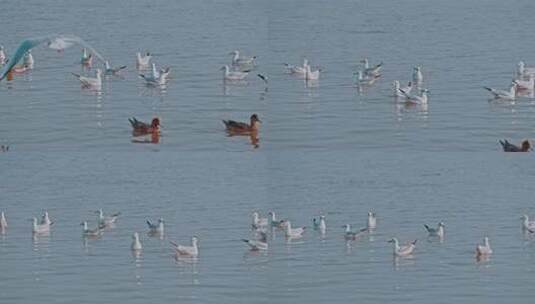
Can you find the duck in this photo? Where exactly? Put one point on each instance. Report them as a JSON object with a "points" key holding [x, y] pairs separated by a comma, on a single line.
{"points": [[237, 60], [319, 224], [3, 57], [87, 59], [416, 99], [371, 71], [242, 128], [3, 221], [503, 94], [156, 228], [372, 220], [483, 249], [233, 75], [106, 221], [298, 70], [109, 70], [509, 147], [527, 224], [259, 244], [417, 76], [190, 251], [141, 128], [436, 232], [311, 75], [136, 243], [40, 228], [259, 222], [403, 251], [45, 219], [90, 232], [293, 232], [143, 61], [397, 92], [350, 235], [90, 82]]}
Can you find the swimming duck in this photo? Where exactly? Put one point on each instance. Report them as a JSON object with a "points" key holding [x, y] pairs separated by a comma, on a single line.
{"points": [[90, 232], [87, 59], [438, 232], [142, 62], [509, 147], [136, 243], [403, 251], [242, 128], [191, 251], [142, 128], [259, 244], [292, 232], [90, 82], [106, 221], [350, 235], [372, 220], [156, 228], [483, 250]]}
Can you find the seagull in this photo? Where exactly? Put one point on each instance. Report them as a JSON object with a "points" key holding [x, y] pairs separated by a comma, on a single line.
{"points": [[371, 71], [87, 59], [527, 224], [90, 82], [509, 147], [3, 221], [372, 220], [363, 79], [416, 99], [319, 224], [483, 250], [300, 70], [28, 60], [312, 75], [157, 77], [525, 84], [397, 88], [3, 57], [109, 70], [106, 221], [403, 251], [45, 219], [351, 235], [502, 94], [258, 221], [40, 228], [57, 42], [293, 232], [523, 71], [156, 228], [90, 232], [237, 60], [143, 62], [260, 244], [438, 232], [273, 221], [234, 75], [191, 251], [136, 243], [417, 76]]}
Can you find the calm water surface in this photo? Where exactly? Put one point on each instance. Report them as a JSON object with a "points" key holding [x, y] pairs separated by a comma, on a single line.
{"points": [[326, 149]]}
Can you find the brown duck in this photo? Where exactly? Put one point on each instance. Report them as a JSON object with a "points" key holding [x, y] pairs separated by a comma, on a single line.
{"points": [[142, 128], [509, 147], [242, 128]]}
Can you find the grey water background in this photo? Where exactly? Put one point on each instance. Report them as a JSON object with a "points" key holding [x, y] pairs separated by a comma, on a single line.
{"points": [[328, 149]]}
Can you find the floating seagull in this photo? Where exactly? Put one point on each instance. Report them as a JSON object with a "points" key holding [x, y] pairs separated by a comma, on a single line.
{"points": [[3, 57], [54, 41], [371, 71], [293, 232], [237, 60], [142, 62], [90, 232], [259, 222], [502, 94], [156, 78], [106, 221], [527, 224], [40, 228], [109, 70], [234, 75], [242, 128], [3, 221], [191, 251], [156, 228], [417, 76], [90, 82], [509, 147], [416, 99], [366, 79], [312, 75], [141, 128], [319, 224], [372, 220], [45, 219], [299, 70], [438, 232], [260, 244], [403, 251], [406, 89], [87, 59], [525, 84], [524, 71], [28, 60], [483, 250], [136, 243], [352, 235]]}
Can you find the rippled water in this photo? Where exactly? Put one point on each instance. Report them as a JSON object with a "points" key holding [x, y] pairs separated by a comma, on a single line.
{"points": [[328, 149]]}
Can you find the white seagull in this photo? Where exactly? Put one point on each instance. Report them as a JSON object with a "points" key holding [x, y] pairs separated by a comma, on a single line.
{"points": [[109, 70], [299, 70], [438, 232], [350, 235], [319, 224], [3, 57], [371, 71], [527, 224], [45, 219], [191, 251], [523, 71], [106, 221], [502, 94], [525, 84], [397, 88], [372, 220], [293, 232], [416, 99], [365, 79], [3, 221], [259, 222], [143, 62], [403, 251], [483, 250], [28, 60], [417, 76], [156, 228], [157, 77], [233, 75], [136, 243], [237, 60], [90, 82], [40, 228], [90, 232], [273, 220], [312, 75], [260, 244]]}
